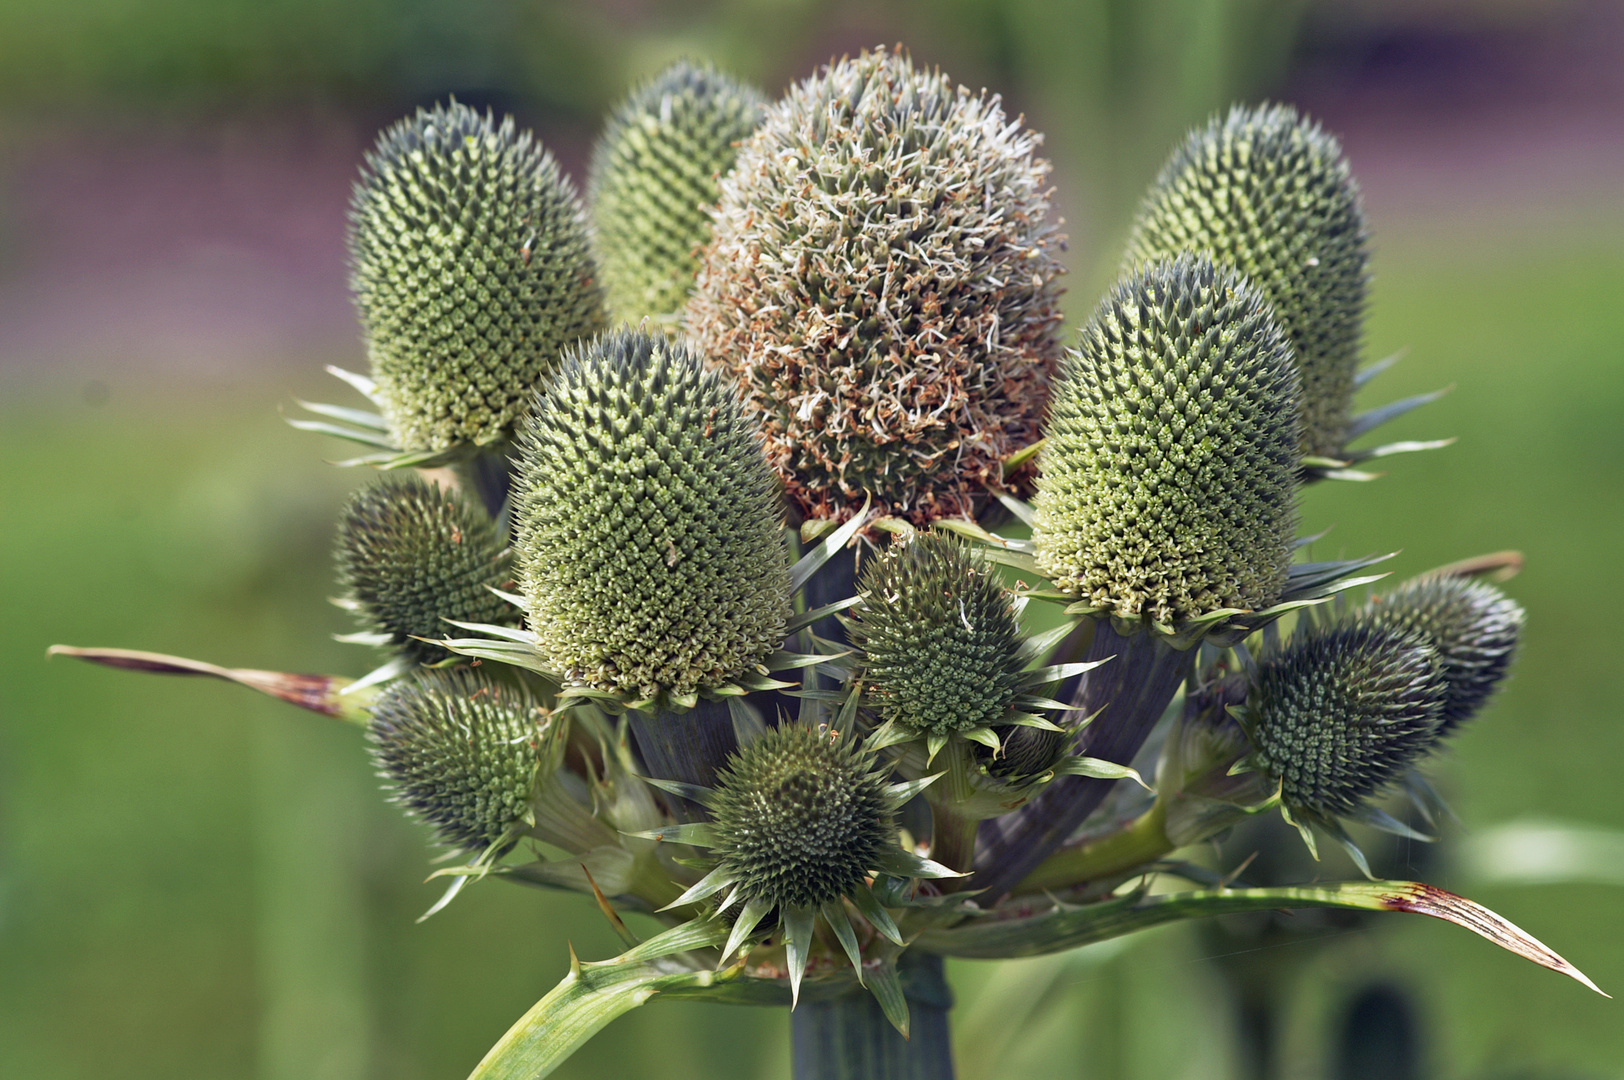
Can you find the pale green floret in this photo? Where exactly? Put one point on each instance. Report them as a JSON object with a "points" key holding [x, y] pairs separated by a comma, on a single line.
{"points": [[1168, 486], [1269, 192], [939, 635], [460, 752], [650, 534], [654, 175], [882, 282], [471, 269], [800, 819], [1473, 625], [412, 556], [1341, 713]]}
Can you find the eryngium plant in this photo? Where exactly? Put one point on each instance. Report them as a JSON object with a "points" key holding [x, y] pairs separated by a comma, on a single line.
{"points": [[666, 734], [1169, 471], [940, 640], [903, 359], [471, 269], [655, 172], [1473, 626], [649, 532], [412, 556], [1270, 193]]}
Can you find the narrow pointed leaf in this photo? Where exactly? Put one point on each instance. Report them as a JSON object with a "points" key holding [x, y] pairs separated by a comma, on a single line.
{"points": [[691, 792], [709, 885], [1099, 769], [899, 793], [886, 986], [907, 864], [798, 942], [1019, 507], [1370, 371], [506, 633], [358, 417], [809, 563], [1374, 418], [693, 934], [1389, 449], [862, 897], [749, 918], [367, 388], [697, 833], [834, 913], [364, 437], [807, 618]]}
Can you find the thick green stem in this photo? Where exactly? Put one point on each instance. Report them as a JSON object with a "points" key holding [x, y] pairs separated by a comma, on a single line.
{"points": [[849, 1038], [1141, 841]]}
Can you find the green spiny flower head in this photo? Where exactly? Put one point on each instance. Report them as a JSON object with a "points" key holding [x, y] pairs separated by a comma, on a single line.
{"points": [[650, 534], [1168, 489], [940, 637], [460, 752], [1338, 714], [1269, 192], [882, 282], [412, 556], [654, 173], [1473, 625], [1023, 752], [470, 267], [800, 818]]}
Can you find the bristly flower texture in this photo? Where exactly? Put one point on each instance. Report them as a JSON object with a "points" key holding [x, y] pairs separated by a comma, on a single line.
{"points": [[460, 752], [471, 269], [1169, 474], [650, 537], [939, 635], [1341, 713], [1270, 193], [903, 357], [655, 173], [412, 556]]}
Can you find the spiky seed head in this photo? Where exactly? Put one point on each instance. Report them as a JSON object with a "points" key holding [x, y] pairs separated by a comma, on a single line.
{"points": [[411, 556], [654, 175], [1168, 488], [882, 283], [460, 752], [800, 817], [471, 269], [1338, 714], [650, 534], [1473, 625], [1269, 192], [939, 636]]}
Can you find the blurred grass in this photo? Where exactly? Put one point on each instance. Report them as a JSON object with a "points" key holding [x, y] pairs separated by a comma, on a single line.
{"points": [[198, 883]]}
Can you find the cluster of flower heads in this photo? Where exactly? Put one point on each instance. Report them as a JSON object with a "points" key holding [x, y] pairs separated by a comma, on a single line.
{"points": [[853, 297]]}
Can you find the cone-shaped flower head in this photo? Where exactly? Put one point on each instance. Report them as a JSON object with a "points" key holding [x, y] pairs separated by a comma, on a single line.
{"points": [[471, 269], [800, 818], [412, 556], [461, 753], [882, 283], [1168, 483], [1269, 192], [650, 536], [654, 175], [1338, 714], [1473, 625], [940, 637]]}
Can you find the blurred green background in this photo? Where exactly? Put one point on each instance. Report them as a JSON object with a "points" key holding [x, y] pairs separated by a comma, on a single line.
{"points": [[198, 883]]}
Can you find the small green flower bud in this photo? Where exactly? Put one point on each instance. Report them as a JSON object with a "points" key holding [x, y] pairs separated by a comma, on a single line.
{"points": [[650, 535], [470, 267], [1339, 714], [940, 637], [412, 556], [882, 282], [1168, 488], [1473, 625], [800, 817], [654, 173], [1269, 192], [460, 753], [1025, 751]]}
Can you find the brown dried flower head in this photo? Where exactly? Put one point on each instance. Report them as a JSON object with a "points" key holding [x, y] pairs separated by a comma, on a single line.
{"points": [[882, 282]]}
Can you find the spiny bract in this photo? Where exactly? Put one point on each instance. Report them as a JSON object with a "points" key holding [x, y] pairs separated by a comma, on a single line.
{"points": [[412, 556], [1269, 192], [1340, 713], [650, 535], [460, 752], [800, 817], [470, 267], [1168, 483], [881, 281], [1473, 625], [654, 176], [939, 635]]}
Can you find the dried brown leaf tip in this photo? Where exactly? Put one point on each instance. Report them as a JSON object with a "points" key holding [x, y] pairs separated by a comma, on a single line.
{"points": [[883, 283]]}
